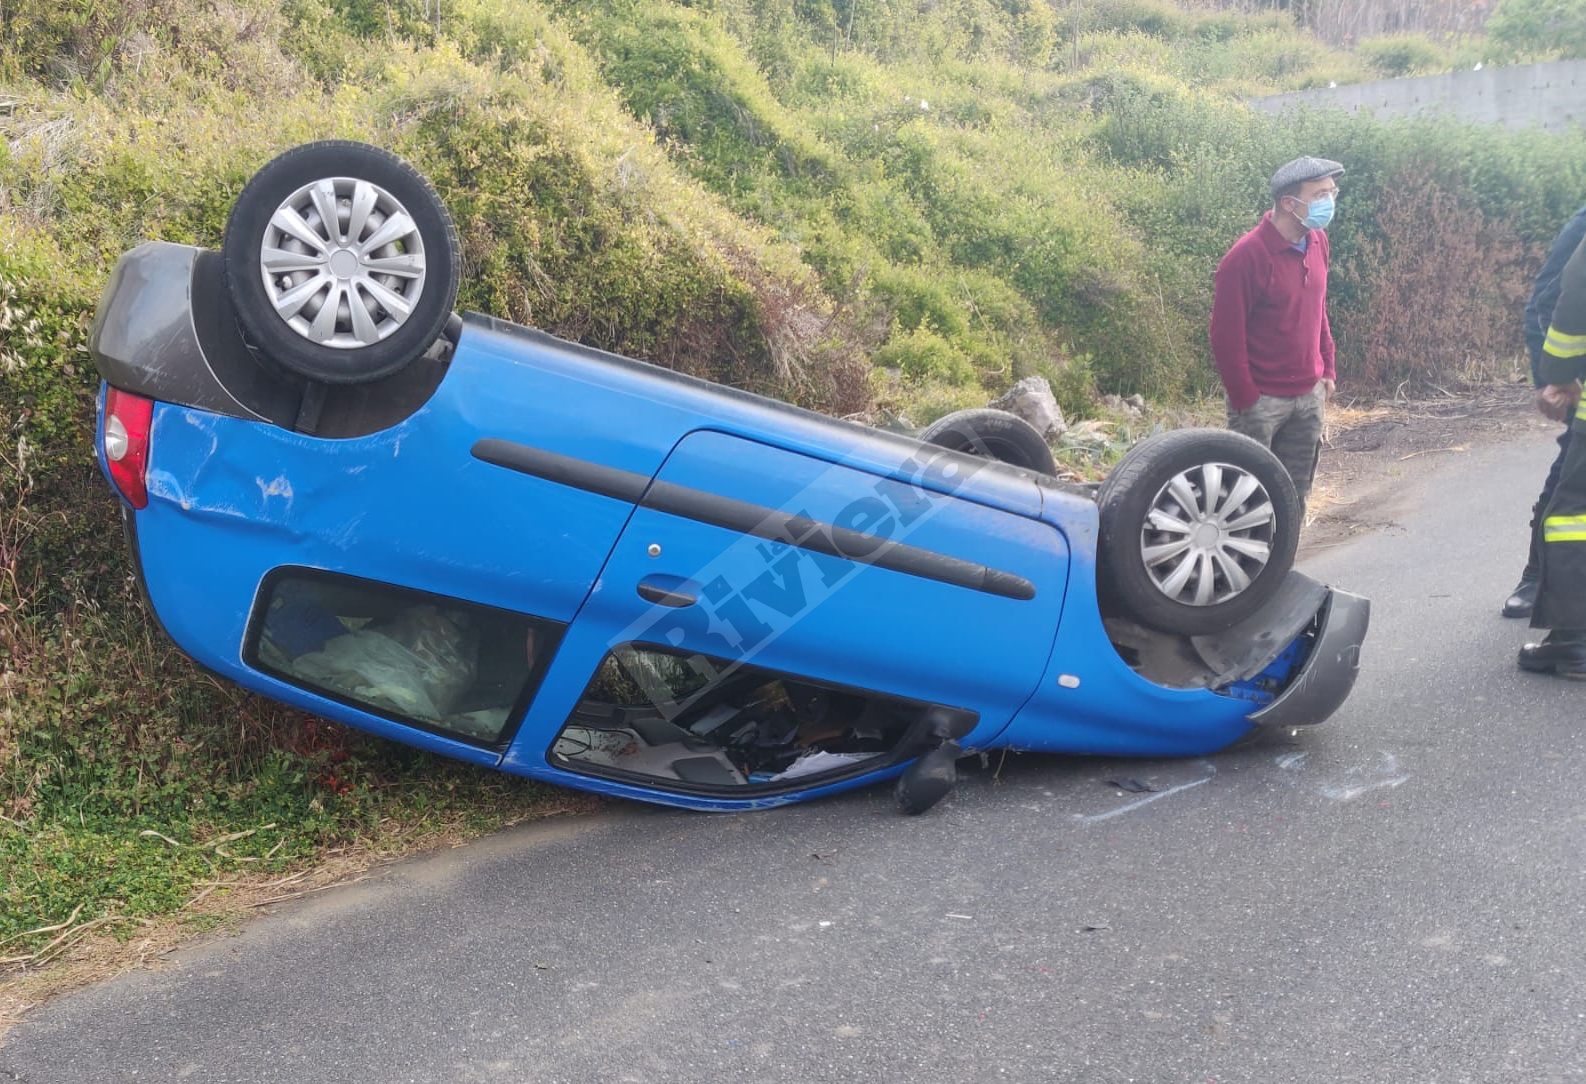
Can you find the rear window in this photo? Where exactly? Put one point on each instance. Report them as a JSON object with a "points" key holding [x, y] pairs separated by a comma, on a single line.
{"points": [[439, 663]]}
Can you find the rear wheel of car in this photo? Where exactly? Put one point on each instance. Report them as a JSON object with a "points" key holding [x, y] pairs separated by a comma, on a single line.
{"points": [[341, 261], [1198, 530], [992, 434]]}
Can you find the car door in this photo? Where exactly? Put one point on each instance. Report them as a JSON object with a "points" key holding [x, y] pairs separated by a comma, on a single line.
{"points": [[769, 619]]}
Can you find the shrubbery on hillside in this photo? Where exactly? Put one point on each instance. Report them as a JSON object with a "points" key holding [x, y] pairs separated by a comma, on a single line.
{"points": [[1539, 27]]}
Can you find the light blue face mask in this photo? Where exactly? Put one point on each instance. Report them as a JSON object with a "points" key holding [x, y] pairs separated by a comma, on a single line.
{"points": [[1319, 212]]}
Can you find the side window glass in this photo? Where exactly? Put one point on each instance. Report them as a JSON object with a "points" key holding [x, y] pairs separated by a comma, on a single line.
{"points": [[698, 723], [446, 665]]}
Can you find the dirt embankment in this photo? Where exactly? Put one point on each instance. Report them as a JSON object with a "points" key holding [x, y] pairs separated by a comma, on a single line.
{"points": [[1369, 450]]}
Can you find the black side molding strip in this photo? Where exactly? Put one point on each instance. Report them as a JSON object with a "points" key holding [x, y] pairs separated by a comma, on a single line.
{"points": [[834, 541], [752, 519], [623, 485]]}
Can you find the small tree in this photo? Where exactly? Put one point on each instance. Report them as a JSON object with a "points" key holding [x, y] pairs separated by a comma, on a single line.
{"points": [[1540, 26]]}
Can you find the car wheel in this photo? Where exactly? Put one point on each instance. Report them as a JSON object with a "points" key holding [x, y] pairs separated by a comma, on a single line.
{"points": [[341, 262], [1198, 530], [992, 434]]}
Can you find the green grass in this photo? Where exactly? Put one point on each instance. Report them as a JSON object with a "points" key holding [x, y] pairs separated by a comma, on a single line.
{"points": [[130, 779]]}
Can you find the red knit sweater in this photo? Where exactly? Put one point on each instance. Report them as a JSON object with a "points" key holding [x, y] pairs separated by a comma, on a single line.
{"points": [[1269, 318]]}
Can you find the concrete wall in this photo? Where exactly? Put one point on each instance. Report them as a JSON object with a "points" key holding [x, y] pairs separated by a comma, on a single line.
{"points": [[1551, 96]]}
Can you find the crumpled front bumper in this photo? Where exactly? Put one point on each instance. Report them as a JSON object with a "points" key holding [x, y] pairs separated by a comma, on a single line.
{"points": [[1329, 670]]}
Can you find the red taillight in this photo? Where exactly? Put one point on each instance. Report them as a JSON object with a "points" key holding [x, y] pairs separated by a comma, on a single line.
{"points": [[127, 420]]}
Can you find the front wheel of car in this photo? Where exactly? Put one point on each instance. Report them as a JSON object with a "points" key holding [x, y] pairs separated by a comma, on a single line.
{"points": [[1198, 530], [341, 262]]}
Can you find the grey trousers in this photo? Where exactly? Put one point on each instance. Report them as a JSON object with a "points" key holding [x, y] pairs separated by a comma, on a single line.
{"points": [[1291, 427]]}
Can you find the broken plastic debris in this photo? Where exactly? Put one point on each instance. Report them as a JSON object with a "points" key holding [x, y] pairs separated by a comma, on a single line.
{"points": [[1133, 786]]}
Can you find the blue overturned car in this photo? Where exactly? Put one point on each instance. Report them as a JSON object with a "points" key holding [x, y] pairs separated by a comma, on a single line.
{"points": [[521, 552]]}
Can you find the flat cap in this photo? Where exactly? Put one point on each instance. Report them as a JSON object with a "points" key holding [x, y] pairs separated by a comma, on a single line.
{"points": [[1303, 169]]}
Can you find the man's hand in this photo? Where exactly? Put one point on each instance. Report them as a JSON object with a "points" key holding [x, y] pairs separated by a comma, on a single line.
{"points": [[1556, 401], [1327, 388]]}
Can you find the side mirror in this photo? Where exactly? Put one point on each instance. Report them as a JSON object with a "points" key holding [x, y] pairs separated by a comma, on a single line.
{"points": [[929, 779]]}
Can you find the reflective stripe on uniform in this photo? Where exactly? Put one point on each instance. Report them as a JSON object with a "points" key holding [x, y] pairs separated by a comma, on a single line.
{"points": [[1562, 345], [1564, 529]]}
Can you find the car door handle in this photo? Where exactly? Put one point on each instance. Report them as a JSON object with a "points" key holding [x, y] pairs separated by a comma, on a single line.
{"points": [[667, 591]]}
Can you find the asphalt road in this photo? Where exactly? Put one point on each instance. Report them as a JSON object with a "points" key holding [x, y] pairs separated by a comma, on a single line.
{"points": [[1393, 896]]}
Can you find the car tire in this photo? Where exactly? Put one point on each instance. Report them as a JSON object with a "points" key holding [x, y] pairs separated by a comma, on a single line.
{"points": [[390, 264], [992, 434], [1198, 531]]}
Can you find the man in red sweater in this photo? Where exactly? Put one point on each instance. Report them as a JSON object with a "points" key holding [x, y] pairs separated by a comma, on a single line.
{"points": [[1269, 329]]}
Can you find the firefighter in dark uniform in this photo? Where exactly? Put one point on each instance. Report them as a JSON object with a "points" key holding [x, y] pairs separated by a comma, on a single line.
{"points": [[1538, 313], [1561, 588]]}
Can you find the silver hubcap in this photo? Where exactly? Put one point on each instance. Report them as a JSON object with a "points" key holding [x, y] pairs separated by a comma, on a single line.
{"points": [[1208, 534], [343, 262]]}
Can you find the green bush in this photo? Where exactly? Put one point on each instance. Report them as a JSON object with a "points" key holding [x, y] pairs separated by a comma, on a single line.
{"points": [[1158, 18], [545, 245], [1402, 54], [1021, 30], [702, 95], [1526, 28], [167, 51], [923, 354]]}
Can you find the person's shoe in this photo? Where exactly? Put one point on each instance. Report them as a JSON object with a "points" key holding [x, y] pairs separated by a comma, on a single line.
{"points": [[1523, 599], [1561, 652]]}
